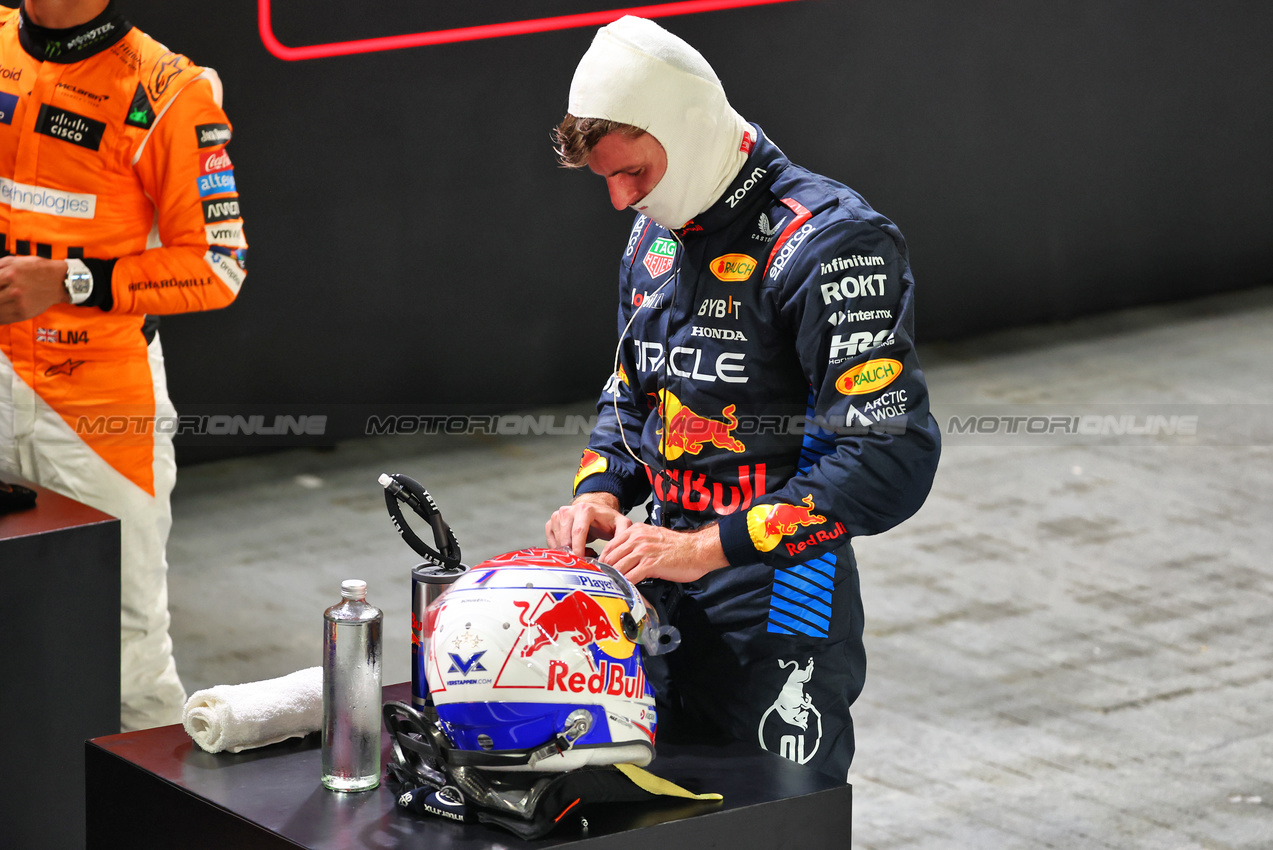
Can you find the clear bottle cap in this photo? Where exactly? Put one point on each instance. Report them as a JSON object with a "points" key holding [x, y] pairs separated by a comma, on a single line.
{"points": [[354, 588]]}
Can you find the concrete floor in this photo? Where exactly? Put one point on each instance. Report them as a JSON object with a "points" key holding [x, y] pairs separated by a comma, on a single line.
{"points": [[1071, 645]]}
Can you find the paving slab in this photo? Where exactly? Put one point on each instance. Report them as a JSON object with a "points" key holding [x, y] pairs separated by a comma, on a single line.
{"points": [[1071, 645]]}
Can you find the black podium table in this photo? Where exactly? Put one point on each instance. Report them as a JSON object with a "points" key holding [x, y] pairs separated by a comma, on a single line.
{"points": [[60, 664], [156, 789]]}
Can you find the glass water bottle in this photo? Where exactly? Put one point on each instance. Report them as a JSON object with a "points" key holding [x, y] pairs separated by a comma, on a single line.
{"points": [[351, 691]]}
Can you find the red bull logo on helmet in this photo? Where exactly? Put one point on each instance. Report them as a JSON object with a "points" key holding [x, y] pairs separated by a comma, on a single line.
{"points": [[686, 432], [578, 615]]}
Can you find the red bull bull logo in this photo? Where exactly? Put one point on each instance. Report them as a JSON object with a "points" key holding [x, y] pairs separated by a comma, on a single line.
{"points": [[577, 614], [686, 432], [590, 464], [768, 524]]}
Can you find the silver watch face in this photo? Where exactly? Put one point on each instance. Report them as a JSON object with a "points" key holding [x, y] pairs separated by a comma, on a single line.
{"points": [[80, 286]]}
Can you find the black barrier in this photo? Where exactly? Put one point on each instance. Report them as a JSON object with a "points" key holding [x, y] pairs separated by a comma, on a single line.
{"points": [[413, 240]]}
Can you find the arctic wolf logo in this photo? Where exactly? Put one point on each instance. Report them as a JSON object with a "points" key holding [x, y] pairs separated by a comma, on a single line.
{"points": [[785, 725], [578, 613]]}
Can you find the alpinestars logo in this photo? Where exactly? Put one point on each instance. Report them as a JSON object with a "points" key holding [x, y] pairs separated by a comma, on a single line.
{"points": [[66, 367], [792, 726], [767, 233]]}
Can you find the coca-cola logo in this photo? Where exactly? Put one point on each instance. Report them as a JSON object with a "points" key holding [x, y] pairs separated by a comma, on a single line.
{"points": [[217, 160]]}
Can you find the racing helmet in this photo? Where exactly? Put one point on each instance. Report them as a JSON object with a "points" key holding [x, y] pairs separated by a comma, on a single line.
{"points": [[534, 662]]}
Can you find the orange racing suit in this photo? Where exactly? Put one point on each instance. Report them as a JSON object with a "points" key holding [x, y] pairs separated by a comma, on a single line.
{"points": [[112, 150]]}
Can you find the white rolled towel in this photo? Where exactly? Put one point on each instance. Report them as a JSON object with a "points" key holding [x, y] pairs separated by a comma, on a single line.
{"points": [[254, 714]]}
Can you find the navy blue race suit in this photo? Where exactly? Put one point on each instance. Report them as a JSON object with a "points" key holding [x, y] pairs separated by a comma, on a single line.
{"points": [[768, 381]]}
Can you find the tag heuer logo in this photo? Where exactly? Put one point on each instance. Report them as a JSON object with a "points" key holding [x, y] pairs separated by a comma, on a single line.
{"points": [[659, 258]]}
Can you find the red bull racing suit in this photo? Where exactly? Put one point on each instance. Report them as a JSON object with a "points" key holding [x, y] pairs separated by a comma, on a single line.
{"points": [[112, 151], [769, 383]]}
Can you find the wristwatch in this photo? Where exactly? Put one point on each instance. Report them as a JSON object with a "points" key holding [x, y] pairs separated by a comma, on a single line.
{"points": [[78, 281]]}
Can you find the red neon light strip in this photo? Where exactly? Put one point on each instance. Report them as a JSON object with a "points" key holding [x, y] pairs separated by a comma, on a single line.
{"points": [[422, 39]]}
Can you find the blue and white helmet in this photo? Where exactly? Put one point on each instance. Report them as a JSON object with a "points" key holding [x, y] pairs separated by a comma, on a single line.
{"points": [[535, 663]]}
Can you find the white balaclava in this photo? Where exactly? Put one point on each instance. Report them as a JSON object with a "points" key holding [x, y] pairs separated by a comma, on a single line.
{"points": [[638, 73]]}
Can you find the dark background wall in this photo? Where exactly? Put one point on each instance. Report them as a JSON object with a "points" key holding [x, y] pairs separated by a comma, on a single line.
{"points": [[413, 242]]}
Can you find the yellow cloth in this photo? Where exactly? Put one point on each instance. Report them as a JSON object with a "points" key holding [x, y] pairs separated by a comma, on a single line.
{"points": [[647, 781]]}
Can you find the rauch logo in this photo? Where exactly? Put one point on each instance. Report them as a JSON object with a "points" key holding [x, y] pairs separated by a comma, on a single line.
{"points": [[868, 377], [733, 267]]}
